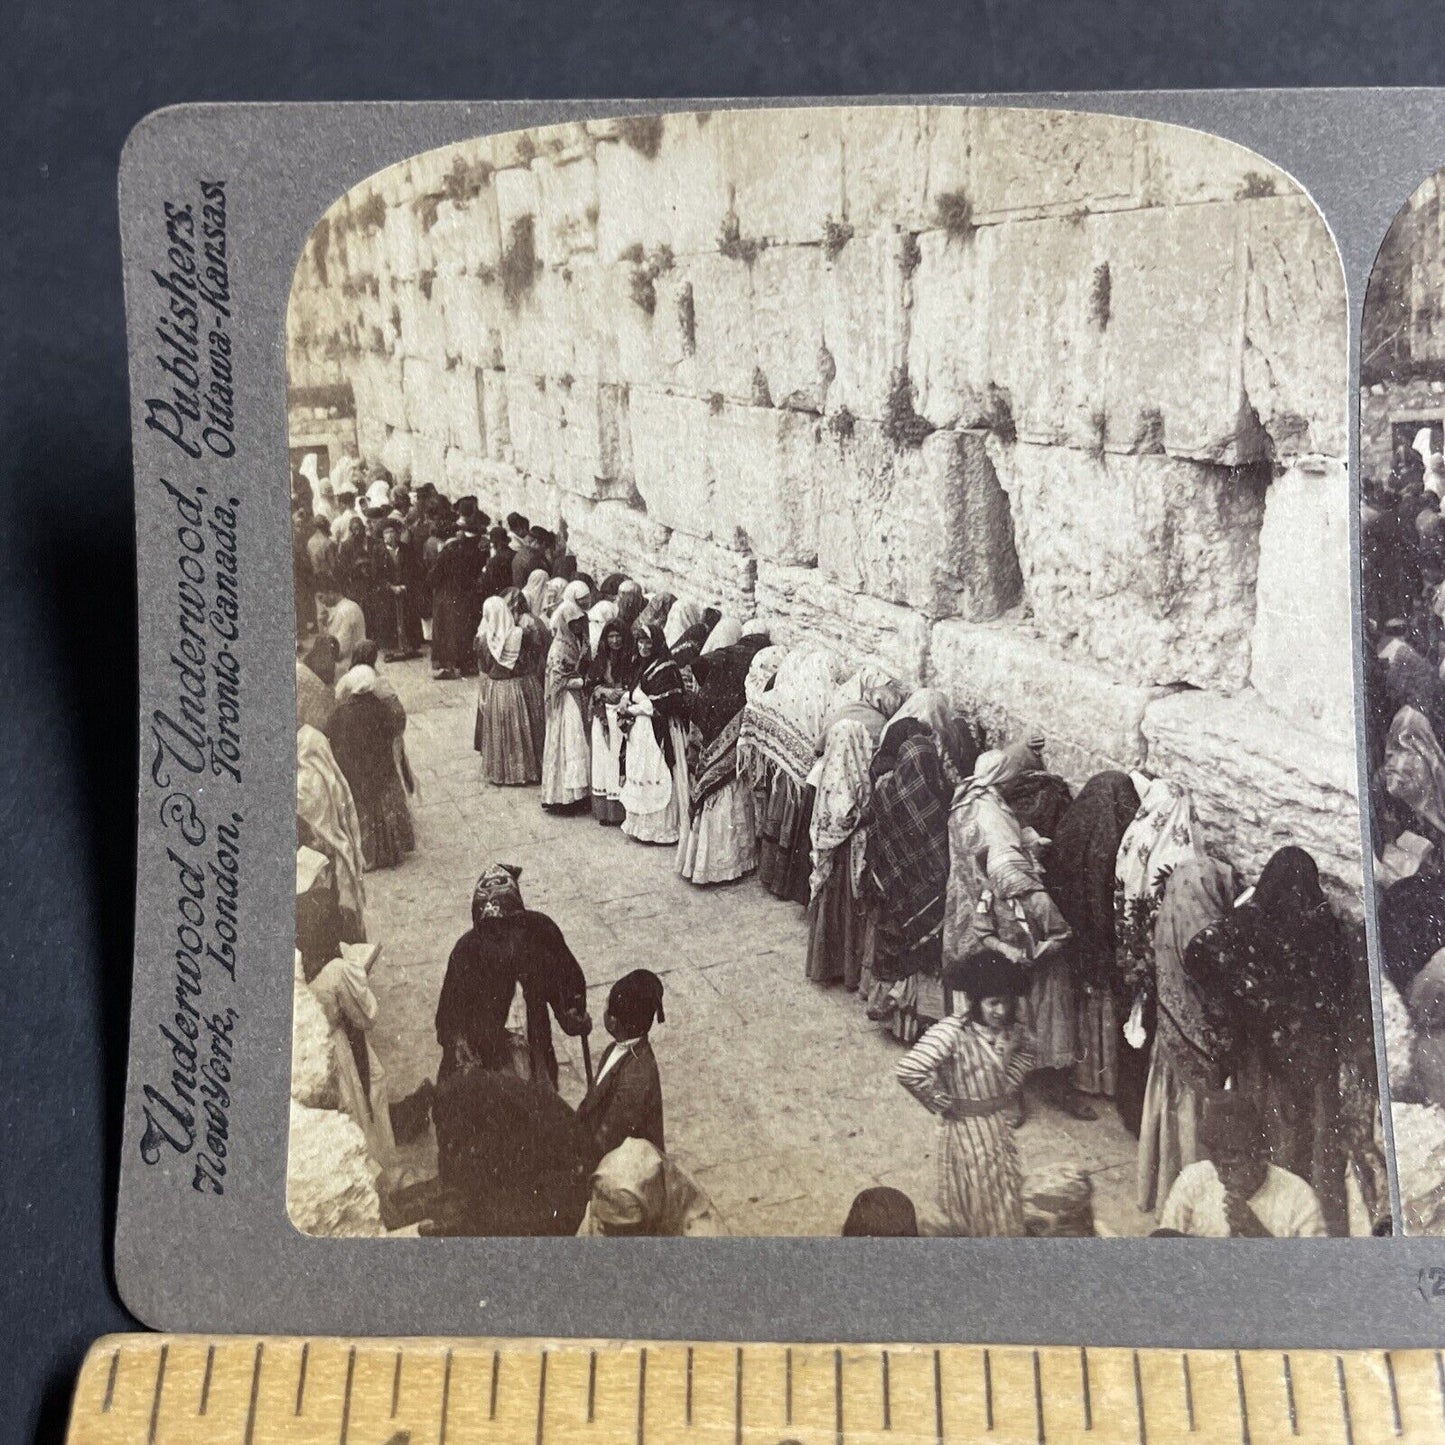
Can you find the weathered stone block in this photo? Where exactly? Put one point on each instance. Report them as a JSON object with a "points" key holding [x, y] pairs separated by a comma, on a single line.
{"points": [[405, 247], [330, 1178], [466, 474], [377, 388], [475, 317], [670, 459], [766, 493], [950, 156], [885, 167], [516, 192], [596, 441], [948, 347], [1302, 644], [1296, 329], [532, 420], [428, 398], [428, 462], [865, 322], [567, 207], [928, 527], [787, 326], [801, 607], [611, 536], [786, 167], [423, 323], [495, 422], [1187, 166], [1144, 563], [725, 357], [709, 574], [397, 454], [1261, 783]]}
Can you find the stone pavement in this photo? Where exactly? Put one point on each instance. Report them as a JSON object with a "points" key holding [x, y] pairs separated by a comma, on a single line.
{"points": [[780, 1096]]}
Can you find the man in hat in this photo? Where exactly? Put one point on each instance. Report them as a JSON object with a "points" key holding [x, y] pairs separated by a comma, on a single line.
{"points": [[400, 575], [345, 511], [531, 554], [507, 945], [1235, 1192], [625, 1101]]}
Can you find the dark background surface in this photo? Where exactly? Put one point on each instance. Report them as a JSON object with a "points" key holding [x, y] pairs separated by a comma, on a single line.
{"points": [[73, 80]]}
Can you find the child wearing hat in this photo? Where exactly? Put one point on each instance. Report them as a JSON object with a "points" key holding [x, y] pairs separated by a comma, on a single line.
{"points": [[968, 1071], [625, 1100]]}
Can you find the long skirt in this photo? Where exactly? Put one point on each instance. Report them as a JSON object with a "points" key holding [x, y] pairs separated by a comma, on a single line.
{"points": [[655, 799], [980, 1186], [511, 728], [1049, 1010], [566, 756], [721, 842], [1097, 1069], [606, 780], [1168, 1131], [387, 834], [452, 632], [836, 935], [784, 841]]}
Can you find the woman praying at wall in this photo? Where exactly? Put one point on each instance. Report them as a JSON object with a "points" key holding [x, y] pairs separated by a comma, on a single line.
{"points": [[689, 645], [720, 843], [511, 720], [654, 791], [608, 679], [326, 821], [958, 745], [657, 610], [630, 604], [366, 737], [566, 753], [967, 1071]]}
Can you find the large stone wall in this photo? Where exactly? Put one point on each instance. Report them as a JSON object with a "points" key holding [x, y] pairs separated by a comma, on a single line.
{"points": [[1046, 409]]}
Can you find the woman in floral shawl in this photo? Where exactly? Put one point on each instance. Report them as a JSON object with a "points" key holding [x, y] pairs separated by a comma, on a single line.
{"points": [[721, 843], [840, 838], [907, 873], [566, 753], [1414, 771], [1165, 833], [608, 679], [1189, 1050], [654, 790]]}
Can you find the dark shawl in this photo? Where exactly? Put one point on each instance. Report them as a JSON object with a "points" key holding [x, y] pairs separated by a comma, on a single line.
{"points": [[886, 758], [1038, 800], [908, 860], [688, 647], [1412, 926], [609, 670], [717, 712], [660, 679], [1079, 868]]}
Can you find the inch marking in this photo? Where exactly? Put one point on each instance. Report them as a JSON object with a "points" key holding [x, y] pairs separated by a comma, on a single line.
{"points": [[1243, 1402], [496, 1377], [788, 1385], [156, 1399], [446, 1400], [1289, 1396], [1188, 1391], [689, 1387], [887, 1395], [738, 1401], [206, 1379], [1394, 1393], [641, 1394], [592, 1388], [541, 1396], [988, 1388], [938, 1395], [838, 1396], [1084, 1381], [301, 1379], [115, 1366], [346, 1398], [1440, 1380], [396, 1385], [255, 1392], [1345, 1400], [1139, 1400], [1038, 1401]]}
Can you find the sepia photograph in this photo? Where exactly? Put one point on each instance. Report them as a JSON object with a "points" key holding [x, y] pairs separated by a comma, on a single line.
{"points": [[825, 702], [1402, 557]]}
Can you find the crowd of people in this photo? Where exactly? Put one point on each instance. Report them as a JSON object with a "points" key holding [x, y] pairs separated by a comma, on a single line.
{"points": [[1027, 945]]}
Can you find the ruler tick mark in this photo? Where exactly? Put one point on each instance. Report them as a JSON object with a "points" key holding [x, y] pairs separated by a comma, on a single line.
{"points": [[346, 1398], [1394, 1393], [592, 1387], [1243, 1402], [887, 1395], [301, 1378], [689, 1387], [788, 1385], [1139, 1399], [446, 1400], [1084, 1381], [115, 1365], [1289, 1396], [738, 1401], [1345, 1400], [255, 1392], [1038, 1400], [938, 1395], [838, 1396], [1440, 1380], [396, 1385], [156, 1399], [206, 1379], [1188, 1391], [641, 1395], [496, 1377], [988, 1389], [541, 1396]]}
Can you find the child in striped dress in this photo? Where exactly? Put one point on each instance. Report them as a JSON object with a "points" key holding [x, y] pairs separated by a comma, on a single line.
{"points": [[967, 1071]]}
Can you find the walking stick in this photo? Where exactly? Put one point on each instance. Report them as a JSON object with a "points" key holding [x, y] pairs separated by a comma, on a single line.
{"points": [[587, 1059]]}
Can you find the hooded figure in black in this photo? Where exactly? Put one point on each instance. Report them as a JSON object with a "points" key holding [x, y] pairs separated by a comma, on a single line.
{"points": [[507, 945]]}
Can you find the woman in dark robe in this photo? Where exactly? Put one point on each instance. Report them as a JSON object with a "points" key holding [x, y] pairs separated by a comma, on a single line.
{"points": [[455, 604], [507, 945], [365, 731], [907, 872], [1039, 799], [1079, 875], [497, 569], [1412, 926], [608, 678], [1273, 975], [653, 762], [688, 647], [354, 564]]}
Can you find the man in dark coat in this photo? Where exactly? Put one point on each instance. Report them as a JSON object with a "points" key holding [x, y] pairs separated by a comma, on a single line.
{"points": [[456, 604], [626, 1100], [507, 945]]}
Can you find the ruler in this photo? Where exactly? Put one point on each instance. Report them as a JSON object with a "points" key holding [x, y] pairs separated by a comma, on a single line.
{"points": [[192, 1390]]}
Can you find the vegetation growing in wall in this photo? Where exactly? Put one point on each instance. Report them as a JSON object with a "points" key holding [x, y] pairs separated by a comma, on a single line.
{"points": [[953, 215], [902, 425], [998, 415], [909, 255], [642, 284], [1098, 434], [836, 235], [426, 280], [370, 215], [643, 133], [715, 403], [526, 149], [841, 424], [761, 395], [520, 266], [320, 240], [465, 180], [687, 319], [1100, 293], [734, 245], [1149, 434], [426, 208], [1255, 187]]}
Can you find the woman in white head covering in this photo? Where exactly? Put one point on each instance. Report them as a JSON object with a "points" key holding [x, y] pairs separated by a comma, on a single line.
{"points": [[511, 720], [637, 1191], [566, 755], [535, 592], [680, 616]]}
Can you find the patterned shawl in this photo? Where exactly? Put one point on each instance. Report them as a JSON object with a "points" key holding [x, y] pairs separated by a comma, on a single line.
{"points": [[958, 747], [841, 807], [717, 713], [764, 671], [871, 687], [655, 614], [784, 728], [567, 656], [1414, 770]]}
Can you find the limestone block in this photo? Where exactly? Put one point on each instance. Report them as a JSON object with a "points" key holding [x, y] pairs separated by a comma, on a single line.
{"points": [[928, 527], [611, 536], [629, 209], [370, 436], [467, 474], [429, 169], [465, 237], [1176, 322], [570, 346], [596, 442], [1296, 329], [620, 333], [764, 463], [948, 336], [566, 142], [395, 184], [524, 329], [379, 380], [865, 322], [423, 323], [1419, 1131], [950, 154], [1261, 783], [787, 325], [330, 1179], [405, 245], [532, 419], [474, 315], [710, 574], [428, 462], [313, 1064], [786, 167], [801, 607], [725, 359], [885, 167], [1302, 660], [1048, 161], [428, 398], [670, 459], [495, 422], [516, 192], [1017, 684], [677, 198], [398, 453], [567, 208], [1144, 563], [1187, 166], [466, 427]]}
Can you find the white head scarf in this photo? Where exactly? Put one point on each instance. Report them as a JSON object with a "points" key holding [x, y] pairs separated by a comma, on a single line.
{"points": [[358, 679], [534, 590], [680, 616], [499, 630], [725, 634], [601, 614]]}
